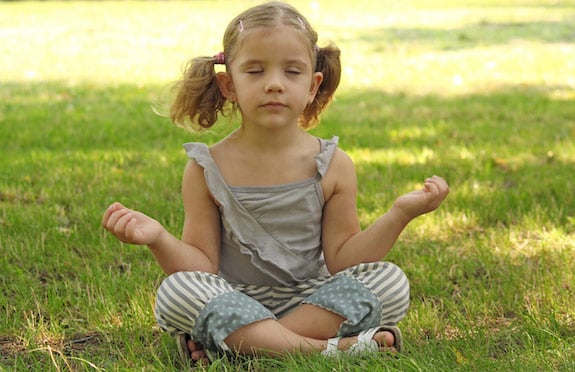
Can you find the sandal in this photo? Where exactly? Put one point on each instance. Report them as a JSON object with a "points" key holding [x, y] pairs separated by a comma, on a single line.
{"points": [[365, 343], [183, 351], [182, 345]]}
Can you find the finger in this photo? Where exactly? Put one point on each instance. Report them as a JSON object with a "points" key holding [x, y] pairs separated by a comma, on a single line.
{"points": [[440, 189], [123, 223], [431, 186], [443, 190], [115, 217], [439, 183], [130, 230], [111, 209]]}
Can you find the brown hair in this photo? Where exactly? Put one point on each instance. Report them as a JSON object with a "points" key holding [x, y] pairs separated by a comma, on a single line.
{"points": [[198, 100]]}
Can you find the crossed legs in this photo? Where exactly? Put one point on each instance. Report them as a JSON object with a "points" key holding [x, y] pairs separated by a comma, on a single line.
{"points": [[221, 318], [304, 330]]}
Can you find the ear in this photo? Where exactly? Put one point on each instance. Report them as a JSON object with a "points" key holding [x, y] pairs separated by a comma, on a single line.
{"points": [[316, 80], [226, 85]]}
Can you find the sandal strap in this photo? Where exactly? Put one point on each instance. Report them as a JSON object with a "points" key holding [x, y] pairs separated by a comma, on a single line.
{"points": [[331, 349], [366, 336], [366, 343]]}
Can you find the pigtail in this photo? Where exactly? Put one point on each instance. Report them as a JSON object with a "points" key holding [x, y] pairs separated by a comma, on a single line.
{"points": [[198, 99], [328, 63]]}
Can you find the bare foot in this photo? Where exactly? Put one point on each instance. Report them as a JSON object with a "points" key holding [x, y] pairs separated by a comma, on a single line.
{"points": [[385, 340], [197, 352]]}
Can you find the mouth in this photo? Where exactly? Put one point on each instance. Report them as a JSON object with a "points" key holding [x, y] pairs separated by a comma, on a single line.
{"points": [[274, 105]]}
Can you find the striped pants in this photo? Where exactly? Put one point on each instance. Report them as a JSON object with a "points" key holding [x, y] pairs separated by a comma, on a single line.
{"points": [[209, 308]]}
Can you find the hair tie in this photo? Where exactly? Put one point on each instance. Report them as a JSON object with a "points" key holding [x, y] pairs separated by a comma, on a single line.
{"points": [[220, 59]]}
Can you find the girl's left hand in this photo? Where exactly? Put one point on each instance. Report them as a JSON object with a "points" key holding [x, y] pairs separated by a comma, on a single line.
{"points": [[423, 201]]}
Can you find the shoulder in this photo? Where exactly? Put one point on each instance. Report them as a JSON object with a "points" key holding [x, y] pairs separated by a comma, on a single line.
{"points": [[193, 170], [340, 176], [195, 190], [193, 180], [342, 158], [341, 164]]}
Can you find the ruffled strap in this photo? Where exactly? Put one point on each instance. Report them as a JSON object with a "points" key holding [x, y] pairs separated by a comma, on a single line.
{"points": [[200, 153], [323, 159]]}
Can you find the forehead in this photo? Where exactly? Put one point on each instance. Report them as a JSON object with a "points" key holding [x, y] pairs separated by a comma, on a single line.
{"points": [[274, 42]]}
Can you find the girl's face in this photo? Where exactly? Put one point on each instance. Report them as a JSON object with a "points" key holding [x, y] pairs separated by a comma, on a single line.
{"points": [[271, 77]]}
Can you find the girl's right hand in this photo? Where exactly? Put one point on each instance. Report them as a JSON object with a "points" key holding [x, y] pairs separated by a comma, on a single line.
{"points": [[130, 226]]}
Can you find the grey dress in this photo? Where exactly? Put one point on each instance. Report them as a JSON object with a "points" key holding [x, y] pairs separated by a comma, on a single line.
{"points": [[271, 235]]}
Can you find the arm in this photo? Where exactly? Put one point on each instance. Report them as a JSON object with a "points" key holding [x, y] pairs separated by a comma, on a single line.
{"points": [[199, 248], [344, 244]]}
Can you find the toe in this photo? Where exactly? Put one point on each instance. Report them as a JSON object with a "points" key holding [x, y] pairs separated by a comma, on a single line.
{"points": [[197, 351], [199, 356], [194, 346], [385, 339]]}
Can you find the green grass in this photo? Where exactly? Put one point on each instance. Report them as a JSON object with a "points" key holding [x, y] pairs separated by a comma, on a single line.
{"points": [[481, 92]]}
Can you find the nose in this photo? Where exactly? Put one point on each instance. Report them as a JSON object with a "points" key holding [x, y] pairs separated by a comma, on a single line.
{"points": [[274, 83]]}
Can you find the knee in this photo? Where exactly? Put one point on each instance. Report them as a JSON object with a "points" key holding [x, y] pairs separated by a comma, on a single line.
{"points": [[188, 292], [387, 282], [394, 286], [393, 293], [352, 300]]}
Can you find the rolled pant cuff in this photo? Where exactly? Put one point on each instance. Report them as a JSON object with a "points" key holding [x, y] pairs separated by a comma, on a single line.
{"points": [[225, 314], [348, 297]]}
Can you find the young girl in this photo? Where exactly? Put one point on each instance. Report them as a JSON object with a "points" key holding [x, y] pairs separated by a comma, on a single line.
{"points": [[272, 259]]}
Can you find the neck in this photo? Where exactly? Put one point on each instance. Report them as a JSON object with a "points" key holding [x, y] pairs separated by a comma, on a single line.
{"points": [[269, 140]]}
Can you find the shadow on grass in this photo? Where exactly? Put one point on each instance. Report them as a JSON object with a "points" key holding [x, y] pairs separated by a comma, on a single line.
{"points": [[56, 116]]}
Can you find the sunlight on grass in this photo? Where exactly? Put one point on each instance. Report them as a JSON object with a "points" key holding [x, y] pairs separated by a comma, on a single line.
{"points": [[464, 49], [395, 156]]}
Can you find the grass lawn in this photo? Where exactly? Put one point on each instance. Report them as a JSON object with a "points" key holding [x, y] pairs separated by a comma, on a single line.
{"points": [[481, 92]]}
